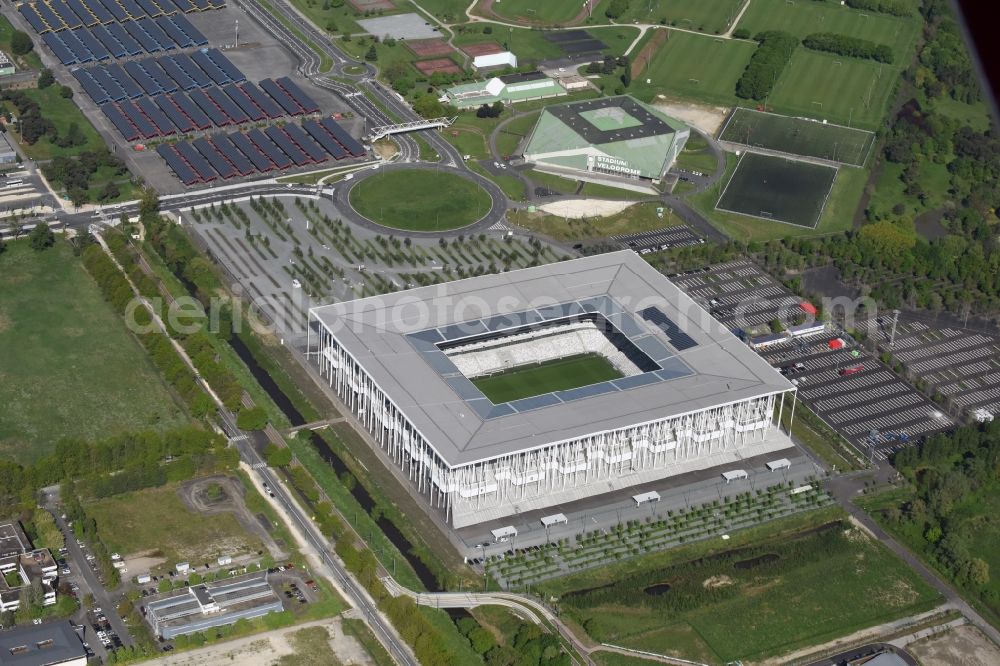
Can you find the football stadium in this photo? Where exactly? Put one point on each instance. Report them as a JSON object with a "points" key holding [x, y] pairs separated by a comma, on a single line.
{"points": [[518, 391], [612, 136]]}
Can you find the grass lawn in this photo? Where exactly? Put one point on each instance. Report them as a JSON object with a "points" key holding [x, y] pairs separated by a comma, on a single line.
{"points": [[764, 599], [634, 219], [156, 519], [70, 367], [412, 200], [694, 67], [312, 648], [30, 59], [449, 11], [512, 186], [513, 132], [618, 659], [558, 375], [550, 12], [712, 16], [696, 155], [61, 112], [855, 92], [531, 45], [806, 17], [363, 634]]}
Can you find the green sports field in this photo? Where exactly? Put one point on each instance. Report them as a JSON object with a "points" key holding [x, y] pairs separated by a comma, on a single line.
{"points": [[551, 12], [797, 136], [776, 188], [713, 16], [808, 16], [695, 67], [420, 200], [854, 92], [558, 375]]}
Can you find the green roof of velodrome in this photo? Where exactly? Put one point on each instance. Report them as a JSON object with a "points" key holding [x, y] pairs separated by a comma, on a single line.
{"points": [[397, 339], [619, 127]]}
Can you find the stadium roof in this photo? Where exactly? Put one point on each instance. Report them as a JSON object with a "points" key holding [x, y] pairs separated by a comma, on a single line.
{"points": [[393, 338], [648, 123]]}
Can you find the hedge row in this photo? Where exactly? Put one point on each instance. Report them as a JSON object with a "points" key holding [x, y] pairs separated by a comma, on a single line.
{"points": [[853, 47], [893, 7], [768, 61]]}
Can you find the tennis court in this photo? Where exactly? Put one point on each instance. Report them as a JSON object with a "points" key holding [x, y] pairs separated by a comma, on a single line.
{"points": [[779, 189], [798, 136]]}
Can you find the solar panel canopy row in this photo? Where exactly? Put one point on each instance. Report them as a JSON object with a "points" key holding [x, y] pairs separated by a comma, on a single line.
{"points": [[99, 43], [57, 15]]}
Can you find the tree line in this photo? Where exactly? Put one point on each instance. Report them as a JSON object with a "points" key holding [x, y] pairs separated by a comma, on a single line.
{"points": [[853, 47], [774, 51]]}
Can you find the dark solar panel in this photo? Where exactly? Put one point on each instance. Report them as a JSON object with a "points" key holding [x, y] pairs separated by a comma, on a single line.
{"points": [[589, 46], [228, 106], [231, 70], [267, 146], [185, 25], [145, 81], [184, 5], [99, 11], [343, 138], [146, 128], [115, 9], [158, 118], [266, 104], [214, 71], [180, 77], [192, 70], [253, 153], [133, 9], [66, 14], [306, 144], [177, 117], [191, 110], [281, 97], [118, 119], [197, 162], [282, 141], [141, 36], [302, 99], [149, 7], [94, 91], [33, 19], [85, 14], [114, 89], [568, 36], [49, 16], [216, 4], [74, 44], [154, 70], [215, 158], [113, 46], [252, 111], [156, 33], [92, 44], [243, 166], [323, 137], [180, 168], [57, 47], [678, 338], [132, 89], [201, 5], [123, 36], [176, 34], [209, 107]]}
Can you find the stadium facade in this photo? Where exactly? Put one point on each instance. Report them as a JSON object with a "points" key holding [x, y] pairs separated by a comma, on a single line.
{"points": [[612, 136], [687, 394]]}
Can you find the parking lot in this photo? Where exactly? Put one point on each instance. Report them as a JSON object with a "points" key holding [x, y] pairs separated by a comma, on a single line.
{"points": [[660, 239], [869, 405], [963, 366]]}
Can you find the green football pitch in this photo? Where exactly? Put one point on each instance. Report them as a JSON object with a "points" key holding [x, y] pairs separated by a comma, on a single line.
{"points": [[777, 188], [798, 136], [558, 375]]}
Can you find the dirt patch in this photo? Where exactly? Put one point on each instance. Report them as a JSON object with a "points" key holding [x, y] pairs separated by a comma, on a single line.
{"points": [[584, 208], [143, 563], [961, 645], [386, 149], [644, 56], [898, 595], [708, 119], [714, 582]]}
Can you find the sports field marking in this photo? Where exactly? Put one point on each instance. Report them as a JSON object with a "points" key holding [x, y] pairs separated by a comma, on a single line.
{"points": [[557, 375]]}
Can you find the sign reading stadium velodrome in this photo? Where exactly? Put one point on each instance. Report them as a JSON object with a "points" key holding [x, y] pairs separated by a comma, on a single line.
{"points": [[677, 392], [615, 164]]}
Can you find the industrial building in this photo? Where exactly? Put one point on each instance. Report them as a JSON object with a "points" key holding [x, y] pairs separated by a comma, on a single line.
{"points": [[50, 644], [491, 60], [8, 156], [690, 395], [200, 607], [509, 89], [617, 137]]}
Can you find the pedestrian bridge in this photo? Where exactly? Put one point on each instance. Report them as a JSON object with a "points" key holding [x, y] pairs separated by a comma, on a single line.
{"points": [[383, 131]]}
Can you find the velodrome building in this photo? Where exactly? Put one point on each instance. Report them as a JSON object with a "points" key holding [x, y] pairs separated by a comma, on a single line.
{"points": [[678, 393], [611, 136]]}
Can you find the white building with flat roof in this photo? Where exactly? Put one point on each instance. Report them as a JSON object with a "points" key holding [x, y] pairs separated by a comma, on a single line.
{"points": [[502, 59]]}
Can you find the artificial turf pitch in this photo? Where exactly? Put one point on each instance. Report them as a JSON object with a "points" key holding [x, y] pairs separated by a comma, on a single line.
{"points": [[778, 188], [557, 375], [798, 136]]}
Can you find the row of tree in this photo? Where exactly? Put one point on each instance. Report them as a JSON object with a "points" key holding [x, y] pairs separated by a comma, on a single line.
{"points": [[773, 53], [854, 47], [892, 7]]}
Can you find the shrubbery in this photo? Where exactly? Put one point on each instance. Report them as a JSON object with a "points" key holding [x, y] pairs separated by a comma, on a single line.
{"points": [[848, 46], [766, 64], [893, 7]]}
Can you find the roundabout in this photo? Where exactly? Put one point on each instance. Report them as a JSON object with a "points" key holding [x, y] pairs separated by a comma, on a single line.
{"points": [[422, 200]]}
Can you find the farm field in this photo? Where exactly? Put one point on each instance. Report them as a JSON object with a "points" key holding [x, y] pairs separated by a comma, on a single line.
{"points": [[157, 519], [694, 67], [798, 136], [760, 600], [559, 375], [854, 92], [777, 188], [411, 200], [805, 17], [713, 16], [70, 368]]}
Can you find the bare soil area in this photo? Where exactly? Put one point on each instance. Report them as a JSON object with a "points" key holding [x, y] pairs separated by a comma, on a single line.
{"points": [[575, 208], [961, 645], [706, 118]]}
